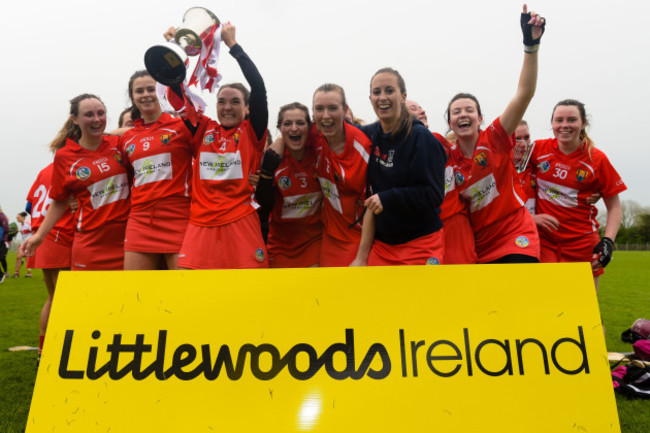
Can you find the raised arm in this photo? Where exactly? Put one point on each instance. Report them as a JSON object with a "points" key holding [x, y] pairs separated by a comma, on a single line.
{"points": [[258, 106], [532, 27]]}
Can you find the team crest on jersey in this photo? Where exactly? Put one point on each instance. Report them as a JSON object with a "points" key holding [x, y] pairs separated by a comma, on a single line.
{"points": [[208, 139], [118, 157], [164, 139], [481, 159], [130, 148], [581, 175], [433, 261], [236, 137], [284, 183], [544, 166], [83, 173], [522, 242], [459, 178], [259, 255]]}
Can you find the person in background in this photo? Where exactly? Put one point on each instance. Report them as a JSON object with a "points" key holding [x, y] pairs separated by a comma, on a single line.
{"points": [[25, 230], [4, 248], [125, 118], [55, 252], [418, 112]]}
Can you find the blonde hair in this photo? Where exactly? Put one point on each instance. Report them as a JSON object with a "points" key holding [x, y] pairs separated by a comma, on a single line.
{"points": [[70, 129]]}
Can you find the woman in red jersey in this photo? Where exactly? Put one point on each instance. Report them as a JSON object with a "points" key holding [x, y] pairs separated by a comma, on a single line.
{"points": [[224, 229], [569, 170], [54, 254], [485, 174], [159, 150], [295, 227], [90, 166], [342, 164]]}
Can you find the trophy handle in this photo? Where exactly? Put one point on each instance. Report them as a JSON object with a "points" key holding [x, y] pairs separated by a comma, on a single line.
{"points": [[522, 153]]}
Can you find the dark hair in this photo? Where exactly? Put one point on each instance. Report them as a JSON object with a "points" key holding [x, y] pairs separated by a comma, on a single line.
{"points": [[135, 113], [463, 96], [237, 86], [120, 122], [330, 87], [584, 138], [70, 129], [23, 214], [293, 106], [405, 121]]}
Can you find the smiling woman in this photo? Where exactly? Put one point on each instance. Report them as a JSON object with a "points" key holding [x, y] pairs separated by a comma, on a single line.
{"points": [[504, 230], [159, 151], [89, 166], [406, 180], [569, 170], [295, 227]]}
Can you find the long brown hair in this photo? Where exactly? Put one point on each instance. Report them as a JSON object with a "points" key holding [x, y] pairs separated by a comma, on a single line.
{"points": [[70, 129], [405, 121]]}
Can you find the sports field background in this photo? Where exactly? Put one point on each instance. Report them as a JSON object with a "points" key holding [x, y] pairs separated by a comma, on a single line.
{"points": [[624, 297]]}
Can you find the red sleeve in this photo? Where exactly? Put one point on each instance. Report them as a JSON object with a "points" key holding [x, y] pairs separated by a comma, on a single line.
{"points": [[498, 138], [609, 181]]}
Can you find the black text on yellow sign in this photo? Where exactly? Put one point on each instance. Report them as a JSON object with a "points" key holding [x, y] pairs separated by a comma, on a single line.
{"points": [[189, 361]]}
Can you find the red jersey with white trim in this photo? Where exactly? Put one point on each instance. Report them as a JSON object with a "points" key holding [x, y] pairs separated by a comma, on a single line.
{"points": [[343, 181], [564, 182], [296, 216], [488, 181], [225, 158], [160, 154], [97, 178], [39, 197], [452, 204]]}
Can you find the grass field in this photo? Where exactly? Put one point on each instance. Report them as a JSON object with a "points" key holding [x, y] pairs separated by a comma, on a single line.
{"points": [[624, 296]]}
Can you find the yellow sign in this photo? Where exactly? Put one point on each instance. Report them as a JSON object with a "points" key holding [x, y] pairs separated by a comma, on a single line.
{"points": [[505, 348]]}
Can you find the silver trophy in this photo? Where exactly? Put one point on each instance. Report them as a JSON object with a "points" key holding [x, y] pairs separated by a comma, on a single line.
{"points": [[166, 62], [521, 154]]}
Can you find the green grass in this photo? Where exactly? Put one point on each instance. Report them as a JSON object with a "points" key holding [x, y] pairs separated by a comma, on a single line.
{"points": [[624, 296]]}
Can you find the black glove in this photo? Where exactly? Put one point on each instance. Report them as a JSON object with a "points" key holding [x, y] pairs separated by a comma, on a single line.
{"points": [[605, 248], [527, 30], [270, 162]]}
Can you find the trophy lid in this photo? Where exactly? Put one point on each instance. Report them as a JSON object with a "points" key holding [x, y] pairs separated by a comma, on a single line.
{"points": [[166, 63]]}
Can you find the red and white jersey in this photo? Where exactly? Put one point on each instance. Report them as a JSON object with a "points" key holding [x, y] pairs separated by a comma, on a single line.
{"points": [[39, 197], [25, 230], [452, 204], [296, 216], [97, 178], [225, 158], [564, 182], [488, 181], [160, 154], [343, 181]]}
